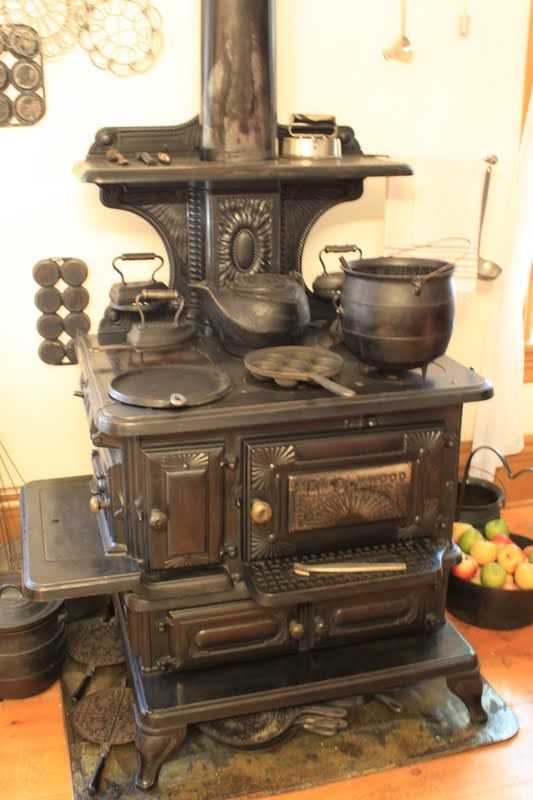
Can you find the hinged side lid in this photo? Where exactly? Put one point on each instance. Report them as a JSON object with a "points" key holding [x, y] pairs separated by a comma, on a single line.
{"points": [[62, 551]]}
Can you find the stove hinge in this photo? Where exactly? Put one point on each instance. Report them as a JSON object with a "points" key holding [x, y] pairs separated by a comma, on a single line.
{"points": [[229, 553]]}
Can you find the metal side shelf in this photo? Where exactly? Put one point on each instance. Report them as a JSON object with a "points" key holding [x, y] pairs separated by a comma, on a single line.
{"points": [[62, 551]]}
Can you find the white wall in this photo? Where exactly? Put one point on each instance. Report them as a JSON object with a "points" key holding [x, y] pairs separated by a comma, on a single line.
{"points": [[458, 98]]}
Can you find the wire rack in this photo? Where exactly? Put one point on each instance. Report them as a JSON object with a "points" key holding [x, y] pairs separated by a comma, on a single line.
{"points": [[457, 250], [10, 480]]}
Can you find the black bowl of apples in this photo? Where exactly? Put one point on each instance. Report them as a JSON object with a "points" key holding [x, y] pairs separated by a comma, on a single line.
{"points": [[492, 587]]}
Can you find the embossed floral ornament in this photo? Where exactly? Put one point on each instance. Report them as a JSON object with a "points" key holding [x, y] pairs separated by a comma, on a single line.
{"points": [[244, 236]]}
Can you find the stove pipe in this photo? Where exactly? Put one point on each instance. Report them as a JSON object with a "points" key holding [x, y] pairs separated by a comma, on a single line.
{"points": [[238, 81]]}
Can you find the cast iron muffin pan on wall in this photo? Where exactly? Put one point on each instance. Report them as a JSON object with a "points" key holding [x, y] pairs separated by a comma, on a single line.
{"points": [[55, 327]]}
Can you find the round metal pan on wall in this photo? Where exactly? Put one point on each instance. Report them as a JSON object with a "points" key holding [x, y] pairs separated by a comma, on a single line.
{"points": [[171, 386]]}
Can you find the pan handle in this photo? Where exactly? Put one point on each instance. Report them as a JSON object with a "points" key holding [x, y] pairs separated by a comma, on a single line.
{"points": [[331, 386], [94, 784], [419, 281], [137, 257], [338, 248], [80, 688], [159, 294]]}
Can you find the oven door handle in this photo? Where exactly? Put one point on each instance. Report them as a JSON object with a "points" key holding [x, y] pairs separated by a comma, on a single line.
{"points": [[305, 570]]}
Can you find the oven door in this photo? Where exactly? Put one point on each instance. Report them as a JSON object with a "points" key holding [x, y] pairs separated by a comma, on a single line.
{"points": [[183, 490], [340, 490]]}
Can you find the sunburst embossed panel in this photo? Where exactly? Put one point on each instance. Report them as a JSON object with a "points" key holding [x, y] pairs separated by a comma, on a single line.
{"points": [[348, 497], [244, 236]]}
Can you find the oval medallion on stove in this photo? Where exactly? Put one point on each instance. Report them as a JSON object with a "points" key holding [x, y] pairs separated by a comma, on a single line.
{"points": [[244, 249]]}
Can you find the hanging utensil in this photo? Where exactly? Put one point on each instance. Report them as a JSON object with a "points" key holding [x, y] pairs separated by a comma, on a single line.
{"points": [[463, 25], [486, 270], [287, 366], [401, 49]]}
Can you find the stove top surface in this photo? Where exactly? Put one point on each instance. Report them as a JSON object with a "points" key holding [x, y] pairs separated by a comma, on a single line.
{"points": [[445, 382]]}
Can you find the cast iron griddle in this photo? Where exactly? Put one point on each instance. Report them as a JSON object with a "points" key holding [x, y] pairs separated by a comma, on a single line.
{"points": [[170, 386]]}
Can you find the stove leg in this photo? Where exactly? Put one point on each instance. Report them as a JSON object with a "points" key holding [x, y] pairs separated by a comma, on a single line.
{"points": [[153, 751], [468, 686]]}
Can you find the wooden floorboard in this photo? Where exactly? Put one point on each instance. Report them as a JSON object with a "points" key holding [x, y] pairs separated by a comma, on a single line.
{"points": [[34, 760]]}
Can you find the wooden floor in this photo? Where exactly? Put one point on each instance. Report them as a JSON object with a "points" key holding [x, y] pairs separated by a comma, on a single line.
{"points": [[34, 762]]}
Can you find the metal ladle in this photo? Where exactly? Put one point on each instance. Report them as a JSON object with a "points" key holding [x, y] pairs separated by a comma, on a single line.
{"points": [[402, 49], [486, 270]]}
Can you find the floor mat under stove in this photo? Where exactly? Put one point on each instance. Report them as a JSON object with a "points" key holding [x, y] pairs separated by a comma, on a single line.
{"points": [[433, 722]]}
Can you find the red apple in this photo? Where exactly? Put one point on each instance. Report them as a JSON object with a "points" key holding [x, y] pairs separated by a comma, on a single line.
{"points": [[510, 585], [524, 575], [466, 569], [501, 541], [510, 557]]}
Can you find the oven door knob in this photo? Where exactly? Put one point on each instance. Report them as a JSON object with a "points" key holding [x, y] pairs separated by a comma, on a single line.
{"points": [[98, 502], [296, 630], [260, 512], [158, 520]]}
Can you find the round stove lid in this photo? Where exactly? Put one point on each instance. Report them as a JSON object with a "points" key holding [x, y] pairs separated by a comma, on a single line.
{"points": [[170, 386], [18, 612]]}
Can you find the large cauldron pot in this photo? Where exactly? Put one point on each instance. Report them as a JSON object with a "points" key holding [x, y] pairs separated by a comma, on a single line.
{"points": [[397, 313]]}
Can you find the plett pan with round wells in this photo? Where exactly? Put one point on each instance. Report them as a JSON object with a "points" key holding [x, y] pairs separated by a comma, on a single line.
{"points": [[289, 365], [170, 386]]}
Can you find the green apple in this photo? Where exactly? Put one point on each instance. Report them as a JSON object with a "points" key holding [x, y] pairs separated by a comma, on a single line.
{"points": [[496, 527], [468, 538], [493, 575]]}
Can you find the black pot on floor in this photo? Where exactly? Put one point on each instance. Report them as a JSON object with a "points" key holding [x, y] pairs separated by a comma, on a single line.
{"points": [[32, 641], [479, 501]]}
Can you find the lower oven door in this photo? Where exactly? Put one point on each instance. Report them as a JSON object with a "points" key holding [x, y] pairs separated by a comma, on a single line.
{"points": [[368, 616], [229, 632]]}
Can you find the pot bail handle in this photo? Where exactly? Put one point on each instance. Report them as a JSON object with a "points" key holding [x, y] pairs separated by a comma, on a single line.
{"points": [[138, 257], [11, 586], [338, 248], [418, 281], [505, 464]]}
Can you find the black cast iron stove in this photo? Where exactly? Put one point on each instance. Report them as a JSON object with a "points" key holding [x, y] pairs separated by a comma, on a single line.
{"points": [[197, 515]]}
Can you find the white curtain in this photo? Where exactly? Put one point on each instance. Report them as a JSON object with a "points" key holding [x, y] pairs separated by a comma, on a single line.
{"points": [[499, 421]]}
